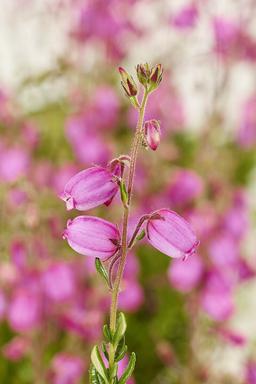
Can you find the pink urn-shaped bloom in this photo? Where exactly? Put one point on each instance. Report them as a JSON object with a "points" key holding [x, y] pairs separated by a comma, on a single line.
{"points": [[92, 236], [185, 186], [16, 349], [14, 163], [186, 276], [186, 17], [171, 234], [131, 296], [250, 375], [152, 133], [67, 369], [89, 189], [247, 126], [58, 282], [217, 297], [24, 311]]}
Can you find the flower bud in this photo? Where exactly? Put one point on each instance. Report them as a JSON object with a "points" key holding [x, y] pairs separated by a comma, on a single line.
{"points": [[128, 83], [143, 73], [171, 234], [92, 236], [152, 133], [156, 76], [149, 77], [89, 189]]}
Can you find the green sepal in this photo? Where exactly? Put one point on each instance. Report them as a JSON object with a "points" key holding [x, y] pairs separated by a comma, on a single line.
{"points": [[120, 328], [98, 363], [129, 369], [120, 347], [134, 102], [121, 354], [104, 350], [107, 333], [101, 270], [123, 192], [94, 376], [141, 235]]}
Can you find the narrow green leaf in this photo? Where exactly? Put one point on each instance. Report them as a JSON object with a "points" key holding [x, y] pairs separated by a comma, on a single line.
{"points": [[107, 333], [123, 192], [101, 270], [129, 369], [121, 354], [105, 351], [120, 346], [100, 379], [94, 376], [98, 363], [120, 329]]}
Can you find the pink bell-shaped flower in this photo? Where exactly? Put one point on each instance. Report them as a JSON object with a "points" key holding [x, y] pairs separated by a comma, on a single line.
{"points": [[92, 236], [171, 234], [89, 189]]}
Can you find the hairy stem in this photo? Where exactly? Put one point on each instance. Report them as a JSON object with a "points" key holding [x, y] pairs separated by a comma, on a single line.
{"points": [[134, 151]]}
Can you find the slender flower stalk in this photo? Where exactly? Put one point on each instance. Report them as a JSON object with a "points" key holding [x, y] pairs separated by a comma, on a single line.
{"points": [[134, 152], [95, 237]]}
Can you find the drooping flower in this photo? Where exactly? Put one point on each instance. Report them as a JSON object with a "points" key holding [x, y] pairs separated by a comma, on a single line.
{"points": [[171, 234], [24, 311], [16, 349], [186, 185], [217, 297], [89, 189], [232, 337], [2, 305], [250, 372], [58, 282], [18, 254], [88, 146], [186, 17], [14, 163], [186, 276], [247, 127], [223, 251], [232, 40], [131, 296], [152, 133], [67, 369], [92, 236], [84, 322]]}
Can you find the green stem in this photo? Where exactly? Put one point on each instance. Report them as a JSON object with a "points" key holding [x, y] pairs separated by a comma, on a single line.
{"points": [[134, 151]]}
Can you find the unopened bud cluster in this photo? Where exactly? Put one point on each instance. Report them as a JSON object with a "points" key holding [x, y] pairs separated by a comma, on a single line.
{"points": [[149, 77]]}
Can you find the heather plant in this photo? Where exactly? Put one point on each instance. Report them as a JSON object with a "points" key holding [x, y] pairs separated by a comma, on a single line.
{"points": [[92, 236], [188, 321]]}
